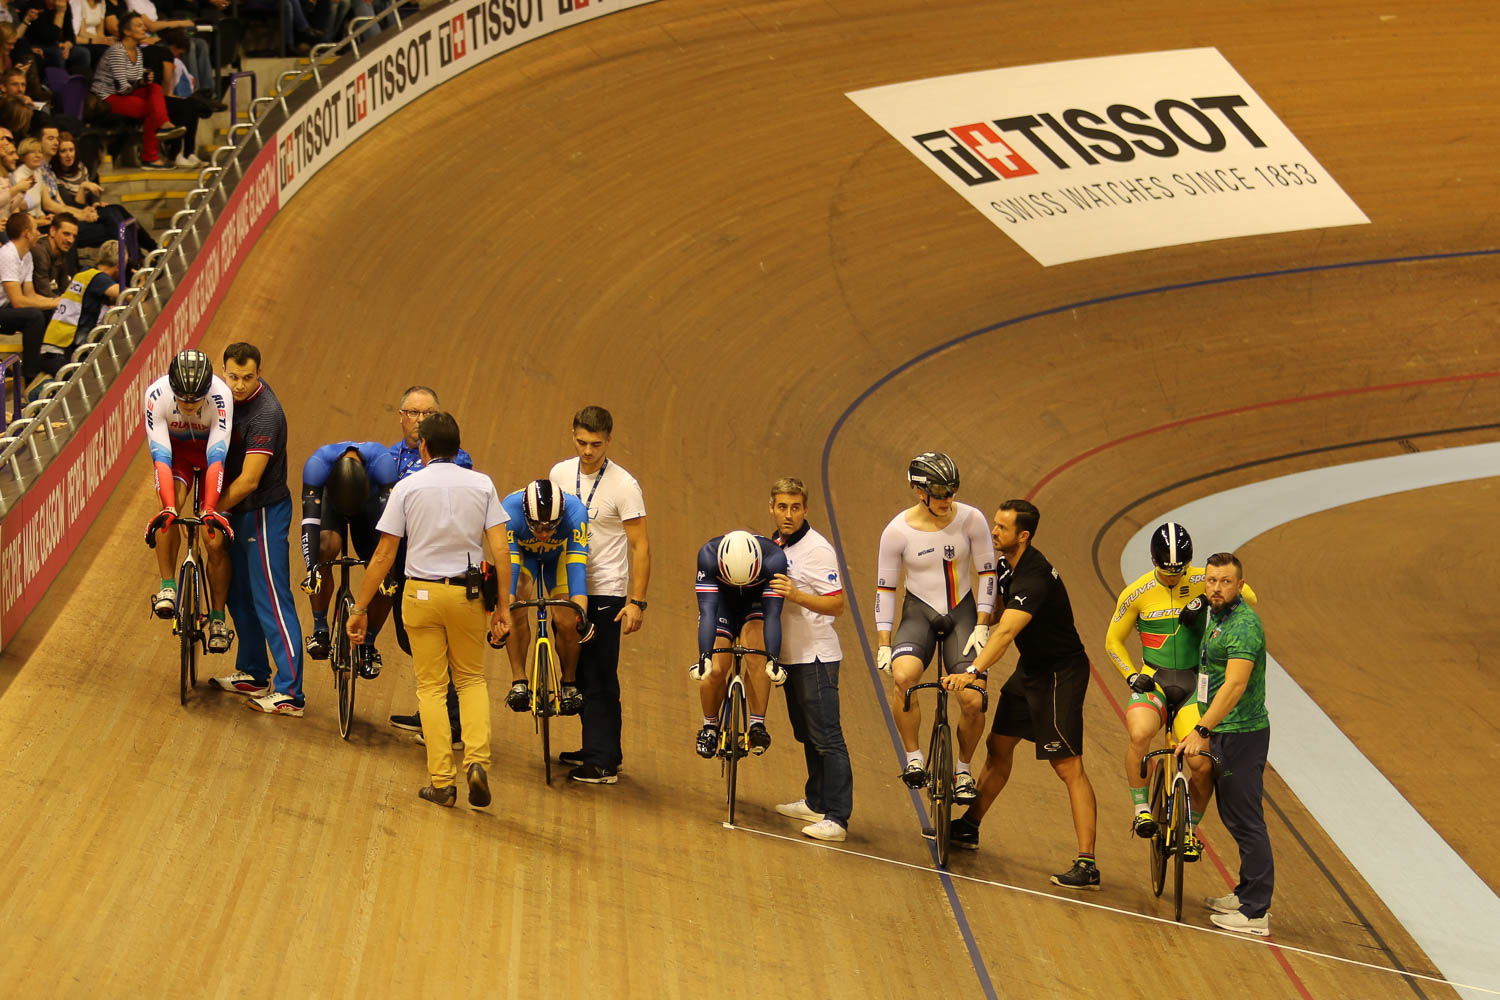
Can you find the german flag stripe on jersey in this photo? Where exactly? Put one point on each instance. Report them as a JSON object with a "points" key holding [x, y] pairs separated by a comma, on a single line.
{"points": [[950, 582]]}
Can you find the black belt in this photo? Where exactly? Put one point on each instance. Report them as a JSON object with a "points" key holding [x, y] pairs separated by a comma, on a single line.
{"points": [[456, 581]]}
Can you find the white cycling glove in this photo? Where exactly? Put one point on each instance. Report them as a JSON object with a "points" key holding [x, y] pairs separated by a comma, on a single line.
{"points": [[701, 668], [776, 672], [883, 659], [977, 639]]}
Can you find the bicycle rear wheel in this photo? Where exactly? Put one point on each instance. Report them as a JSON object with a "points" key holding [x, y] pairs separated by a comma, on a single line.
{"points": [[543, 695], [1180, 809], [1160, 812], [187, 630], [941, 784], [736, 730]]}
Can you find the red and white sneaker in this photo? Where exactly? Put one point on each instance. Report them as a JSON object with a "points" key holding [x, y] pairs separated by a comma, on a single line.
{"points": [[243, 683], [276, 704]]}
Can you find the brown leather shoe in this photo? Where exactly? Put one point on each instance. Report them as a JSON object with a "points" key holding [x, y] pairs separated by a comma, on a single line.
{"points": [[442, 796], [479, 786]]}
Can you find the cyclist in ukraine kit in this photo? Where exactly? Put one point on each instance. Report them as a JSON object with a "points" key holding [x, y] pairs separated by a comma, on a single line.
{"points": [[549, 551], [934, 543], [189, 412], [1165, 607]]}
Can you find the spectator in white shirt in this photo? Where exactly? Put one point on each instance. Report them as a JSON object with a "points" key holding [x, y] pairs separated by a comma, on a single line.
{"points": [[619, 564], [810, 652], [22, 310]]}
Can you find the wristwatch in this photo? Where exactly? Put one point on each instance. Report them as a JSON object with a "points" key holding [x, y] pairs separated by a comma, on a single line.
{"points": [[1202, 731], [639, 604], [975, 671]]}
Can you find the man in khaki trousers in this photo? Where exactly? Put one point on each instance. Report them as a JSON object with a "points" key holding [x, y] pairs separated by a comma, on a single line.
{"points": [[446, 514]]}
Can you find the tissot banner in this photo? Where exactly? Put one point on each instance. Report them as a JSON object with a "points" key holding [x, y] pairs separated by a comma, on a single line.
{"points": [[1094, 157]]}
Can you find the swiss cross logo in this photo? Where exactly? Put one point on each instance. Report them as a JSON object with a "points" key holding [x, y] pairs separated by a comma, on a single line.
{"points": [[1000, 155], [288, 159]]}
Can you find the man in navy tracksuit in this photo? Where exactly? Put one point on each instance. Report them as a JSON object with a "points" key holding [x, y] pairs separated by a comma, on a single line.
{"points": [[260, 512]]}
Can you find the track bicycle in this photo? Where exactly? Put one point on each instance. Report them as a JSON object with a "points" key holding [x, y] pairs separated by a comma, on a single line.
{"points": [[348, 659], [940, 781], [734, 722], [190, 623], [1171, 809], [545, 677]]}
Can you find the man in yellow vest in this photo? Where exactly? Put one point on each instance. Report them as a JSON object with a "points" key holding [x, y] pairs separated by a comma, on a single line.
{"points": [[79, 307]]}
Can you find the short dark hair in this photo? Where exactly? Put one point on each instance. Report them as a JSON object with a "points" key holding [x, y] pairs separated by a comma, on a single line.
{"points": [[176, 38], [440, 433], [17, 225], [62, 217], [12, 71], [239, 352], [594, 419], [1027, 516], [420, 388], [1227, 559], [125, 22]]}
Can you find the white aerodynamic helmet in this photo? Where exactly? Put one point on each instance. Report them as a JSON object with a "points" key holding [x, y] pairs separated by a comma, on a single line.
{"points": [[739, 558]]}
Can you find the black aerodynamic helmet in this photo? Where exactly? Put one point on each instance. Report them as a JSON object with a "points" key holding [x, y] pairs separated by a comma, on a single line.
{"points": [[348, 484], [1171, 548], [934, 473], [190, 375]]}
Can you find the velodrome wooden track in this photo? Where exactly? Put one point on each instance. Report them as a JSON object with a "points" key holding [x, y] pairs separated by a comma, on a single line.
{"points": [[676, 213]]}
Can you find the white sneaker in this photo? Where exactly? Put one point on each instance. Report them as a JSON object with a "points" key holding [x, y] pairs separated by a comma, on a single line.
{"points": [[825, 829], [164, 604], [964, 787], [1241, 924], [1223, 904], [243, 683], [799, 810], [187, 161]]}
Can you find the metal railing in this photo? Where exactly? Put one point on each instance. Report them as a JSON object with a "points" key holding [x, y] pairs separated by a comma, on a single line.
{"points": [[32, 440]]}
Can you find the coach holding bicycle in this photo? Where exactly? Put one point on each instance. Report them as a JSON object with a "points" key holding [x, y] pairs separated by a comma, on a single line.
{"points": [[1236, 727], [446, 514]]}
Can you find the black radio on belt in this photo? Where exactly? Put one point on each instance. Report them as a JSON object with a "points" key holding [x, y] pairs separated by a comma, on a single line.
{"points": [[473, 582]]}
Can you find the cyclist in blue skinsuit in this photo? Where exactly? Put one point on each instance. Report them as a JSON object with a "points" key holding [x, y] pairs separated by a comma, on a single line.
{"points": [[344, 489], [548, 531]]}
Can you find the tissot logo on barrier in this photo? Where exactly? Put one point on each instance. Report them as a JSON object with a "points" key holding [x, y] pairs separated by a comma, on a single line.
{"points": [[1102, 156]]}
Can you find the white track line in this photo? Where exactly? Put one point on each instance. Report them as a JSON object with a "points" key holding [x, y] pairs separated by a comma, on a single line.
{"points": [[1072, 901]]}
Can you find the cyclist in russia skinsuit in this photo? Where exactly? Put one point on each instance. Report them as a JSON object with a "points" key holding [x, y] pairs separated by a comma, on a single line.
{"points": [[934, 542], [1165, 606]]}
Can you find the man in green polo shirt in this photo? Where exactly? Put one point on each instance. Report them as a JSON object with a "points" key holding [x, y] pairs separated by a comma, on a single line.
{"points": [[1236, 727]]}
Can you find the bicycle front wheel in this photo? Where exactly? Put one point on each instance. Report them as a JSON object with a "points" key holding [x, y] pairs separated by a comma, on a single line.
{"points": [[342, 657], [542, 692], [739, 725], [941, 784], [1160, 812], [187, 630], [1180, 809]]}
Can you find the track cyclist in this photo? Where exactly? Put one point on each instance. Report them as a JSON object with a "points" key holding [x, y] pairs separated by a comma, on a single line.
{"points": [[548, 531], [189, 412], [344, 489], [1165, 607], [736, 602], [934, 542]]}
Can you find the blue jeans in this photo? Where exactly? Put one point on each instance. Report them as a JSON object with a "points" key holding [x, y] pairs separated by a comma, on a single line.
{"points": [[1240, 790], [260, 597], [812, 705]]}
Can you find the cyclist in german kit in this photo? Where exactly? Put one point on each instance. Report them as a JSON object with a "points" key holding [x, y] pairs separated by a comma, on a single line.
{"points": [[189, 413], [344, 489], [933, 543], [548, 531], [1165, 606], [1043, 700], [735, 601]]}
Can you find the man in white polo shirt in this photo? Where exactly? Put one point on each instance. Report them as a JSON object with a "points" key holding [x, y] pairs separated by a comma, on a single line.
{"points": [[22, 310], [810, 653], [619, 565], [446, 513]]}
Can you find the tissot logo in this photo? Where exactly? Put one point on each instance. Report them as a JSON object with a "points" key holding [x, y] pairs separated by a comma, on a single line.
{"points": [[984, 152]]}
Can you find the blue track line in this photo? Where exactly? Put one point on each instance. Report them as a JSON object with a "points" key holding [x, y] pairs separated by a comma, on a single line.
{"points": [[980, 969]]}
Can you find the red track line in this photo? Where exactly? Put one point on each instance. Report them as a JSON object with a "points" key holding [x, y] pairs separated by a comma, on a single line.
{"points": [[1331, 394]]}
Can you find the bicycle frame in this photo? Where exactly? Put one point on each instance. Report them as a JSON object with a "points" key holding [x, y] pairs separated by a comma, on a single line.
{"points": [[545, 677], [940, 784], [344, 658], [734, 721], [188, 624], [1170, 809]]}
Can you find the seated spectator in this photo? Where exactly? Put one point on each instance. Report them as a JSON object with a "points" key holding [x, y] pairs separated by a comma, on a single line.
{"points": [[126, 85], [53, 259], [45, 204], [196, 55], [11, 200], [88, 294], [95, 26], [52, 38], [27, 182], [186, 105], [82, 196], [22, 310]]}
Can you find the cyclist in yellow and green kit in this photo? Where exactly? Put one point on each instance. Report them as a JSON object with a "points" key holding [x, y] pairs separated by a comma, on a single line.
{"points": [[1165, 607]]}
